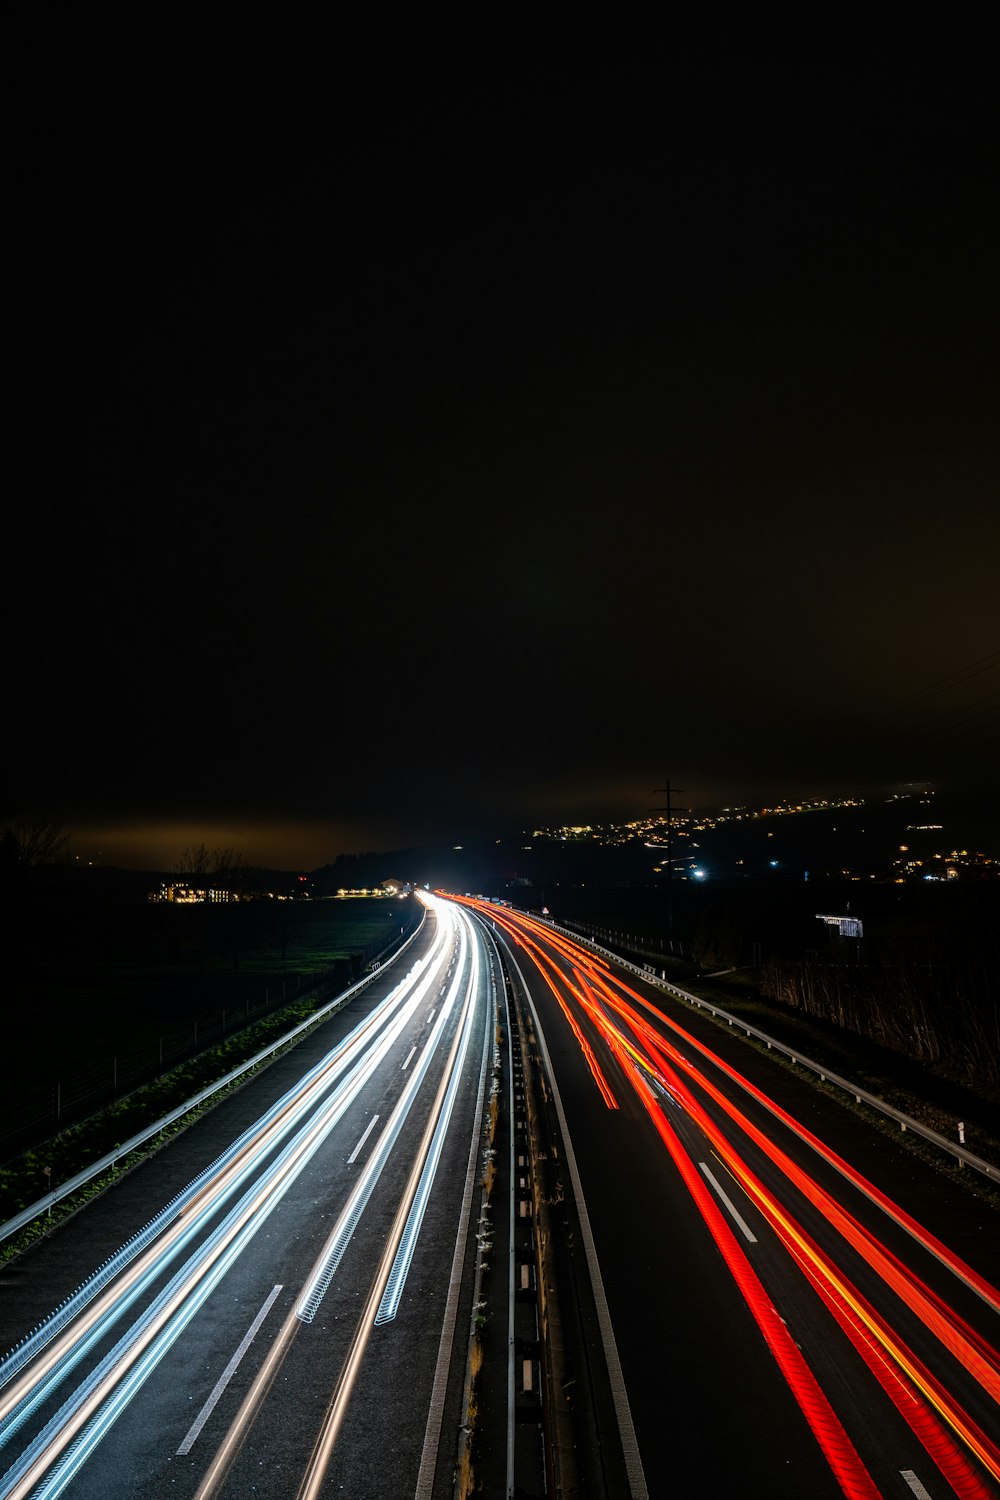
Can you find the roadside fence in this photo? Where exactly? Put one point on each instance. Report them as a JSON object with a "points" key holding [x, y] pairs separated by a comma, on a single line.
{"points": [[629, 942], [648, 972], [32, 1115], [108, 1162]]}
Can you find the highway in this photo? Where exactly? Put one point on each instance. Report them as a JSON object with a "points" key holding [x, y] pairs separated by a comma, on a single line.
{"points": [[777, 1319], [272, 1306]]}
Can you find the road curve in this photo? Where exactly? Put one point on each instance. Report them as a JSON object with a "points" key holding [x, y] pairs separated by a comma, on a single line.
{"points": [[785, 1323], [273, 1325]]}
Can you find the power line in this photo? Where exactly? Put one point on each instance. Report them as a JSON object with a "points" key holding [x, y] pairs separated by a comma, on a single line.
{"points": [[668, 809]]}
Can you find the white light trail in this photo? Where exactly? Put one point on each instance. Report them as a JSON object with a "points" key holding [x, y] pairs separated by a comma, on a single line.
{"points": [[315, 1475], [70, 1437], [282, 1117], [350, 1215], [389, 1305], [319, 1278]]}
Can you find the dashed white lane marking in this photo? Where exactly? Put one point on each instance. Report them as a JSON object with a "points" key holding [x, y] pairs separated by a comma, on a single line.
{"points": [[738, 1217], [368, 1130], [226, 1376], [409, 1059], [431, 1016], [915, 1484]]}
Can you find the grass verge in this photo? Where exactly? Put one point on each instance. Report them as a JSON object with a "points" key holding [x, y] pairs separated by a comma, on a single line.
{"points": [[23, 1181]]}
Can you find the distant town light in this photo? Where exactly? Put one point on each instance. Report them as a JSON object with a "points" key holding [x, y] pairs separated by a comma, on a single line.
{"points": [[851, 927]]}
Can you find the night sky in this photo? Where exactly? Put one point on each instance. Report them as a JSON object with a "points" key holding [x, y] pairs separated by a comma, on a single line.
{"points": [[414, 440]]}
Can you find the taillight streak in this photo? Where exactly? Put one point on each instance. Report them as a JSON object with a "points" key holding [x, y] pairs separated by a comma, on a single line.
{"points": [[826, 1426], [906, 1379], [975, 1355], [851, 1310]]}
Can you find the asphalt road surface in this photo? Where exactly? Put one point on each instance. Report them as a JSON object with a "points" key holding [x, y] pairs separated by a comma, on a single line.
{"points": [[798, 1306], [278, 1311]]}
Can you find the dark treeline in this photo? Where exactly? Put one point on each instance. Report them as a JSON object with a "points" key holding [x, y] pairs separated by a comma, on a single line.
{"points": [[924, 980]]}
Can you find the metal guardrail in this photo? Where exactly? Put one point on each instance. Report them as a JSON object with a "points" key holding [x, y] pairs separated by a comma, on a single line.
{"points": [[107, 1163], [964, 1157]]}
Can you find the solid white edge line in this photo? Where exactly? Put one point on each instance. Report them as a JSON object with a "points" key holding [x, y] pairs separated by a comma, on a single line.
{"points": [[511, 1252], [626, 1428], [451, 1084], [368, 1130], [915, 1484], [734, 1211], [435, 1409], [226, 1376], [314, 1478]]}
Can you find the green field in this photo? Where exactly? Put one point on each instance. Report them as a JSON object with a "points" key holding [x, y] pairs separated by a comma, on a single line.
{"points": [[87, 985]]}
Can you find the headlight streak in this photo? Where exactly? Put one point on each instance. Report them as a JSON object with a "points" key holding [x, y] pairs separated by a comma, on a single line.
{"points": [[281, 1117], [192, 1207], [389, 1305], [257, 1203], [188, 1289], [191, 1285], [347, 1220], [902, 1375], [218, 1470], [316, 1471], [261, 1198], [94, 1425]]}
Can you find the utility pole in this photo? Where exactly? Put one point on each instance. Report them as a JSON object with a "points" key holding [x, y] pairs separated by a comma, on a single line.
{"points": [[668, 809]]}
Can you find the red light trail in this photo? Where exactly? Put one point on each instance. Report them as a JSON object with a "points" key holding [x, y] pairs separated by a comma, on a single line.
{"points": [[624, 1019]]}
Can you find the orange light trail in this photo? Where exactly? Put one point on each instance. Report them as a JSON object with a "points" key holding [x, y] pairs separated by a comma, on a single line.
{"points": [[582, 958], [544, 964], [903, 1376], [839, 1451], [972, 1351], [862, 1324], [866, 1329]]}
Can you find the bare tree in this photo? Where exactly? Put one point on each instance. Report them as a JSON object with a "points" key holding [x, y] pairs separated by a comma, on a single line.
{"points": [[217, 867], [32, 839]]}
